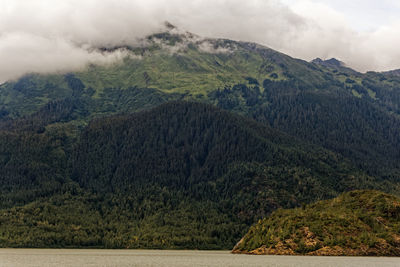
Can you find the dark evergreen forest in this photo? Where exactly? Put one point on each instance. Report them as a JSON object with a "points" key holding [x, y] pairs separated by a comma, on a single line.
{"points": [[182, 175]]}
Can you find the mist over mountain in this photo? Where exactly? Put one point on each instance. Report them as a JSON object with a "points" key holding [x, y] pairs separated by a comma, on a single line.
{"points": [[38, 36]]}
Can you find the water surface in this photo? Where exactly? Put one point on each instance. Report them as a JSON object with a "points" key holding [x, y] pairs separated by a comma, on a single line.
{"points": [[176, 258]]}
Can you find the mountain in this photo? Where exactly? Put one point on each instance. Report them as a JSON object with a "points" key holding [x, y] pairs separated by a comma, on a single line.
{"points": [[182, 175], [323, 102], [358, 223], [186, 142]]}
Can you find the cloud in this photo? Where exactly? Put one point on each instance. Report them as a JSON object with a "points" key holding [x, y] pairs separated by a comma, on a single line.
{"points": [[24, 53], [45, 36], [208, 47], [330, 34]]}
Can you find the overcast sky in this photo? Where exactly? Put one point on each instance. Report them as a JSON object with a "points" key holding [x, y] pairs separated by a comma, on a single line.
{"points": [[362, 15], [56, 35]]}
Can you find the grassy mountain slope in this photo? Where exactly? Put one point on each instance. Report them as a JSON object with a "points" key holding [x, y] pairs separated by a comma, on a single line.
{"points": [[193, 67], [182, 175], [357, 223]]}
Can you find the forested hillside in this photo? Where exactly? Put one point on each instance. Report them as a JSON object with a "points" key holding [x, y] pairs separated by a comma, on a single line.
{"points": [[183, 175]]}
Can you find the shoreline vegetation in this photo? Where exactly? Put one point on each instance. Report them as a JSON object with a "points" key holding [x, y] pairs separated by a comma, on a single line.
{"points": [[357, 223]]}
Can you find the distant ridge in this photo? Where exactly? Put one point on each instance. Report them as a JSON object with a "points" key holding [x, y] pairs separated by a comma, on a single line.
{"points": [[393, 72]]}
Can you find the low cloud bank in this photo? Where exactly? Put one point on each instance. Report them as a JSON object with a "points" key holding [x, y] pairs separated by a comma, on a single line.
{"points": [[48, 36]]}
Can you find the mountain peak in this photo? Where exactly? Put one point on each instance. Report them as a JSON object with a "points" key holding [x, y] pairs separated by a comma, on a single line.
{"points": [[333, 62], [169, 25]]}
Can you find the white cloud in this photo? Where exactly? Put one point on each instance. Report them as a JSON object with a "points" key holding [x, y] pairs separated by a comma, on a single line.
{"points": [[45, 35], [24, 53], [331, 33]]}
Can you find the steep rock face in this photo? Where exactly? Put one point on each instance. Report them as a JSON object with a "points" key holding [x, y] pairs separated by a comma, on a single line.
{"points": [[358, 223]]}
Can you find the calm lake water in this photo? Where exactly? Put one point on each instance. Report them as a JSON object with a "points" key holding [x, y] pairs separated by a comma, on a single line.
{"points": [[121, 258]]}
